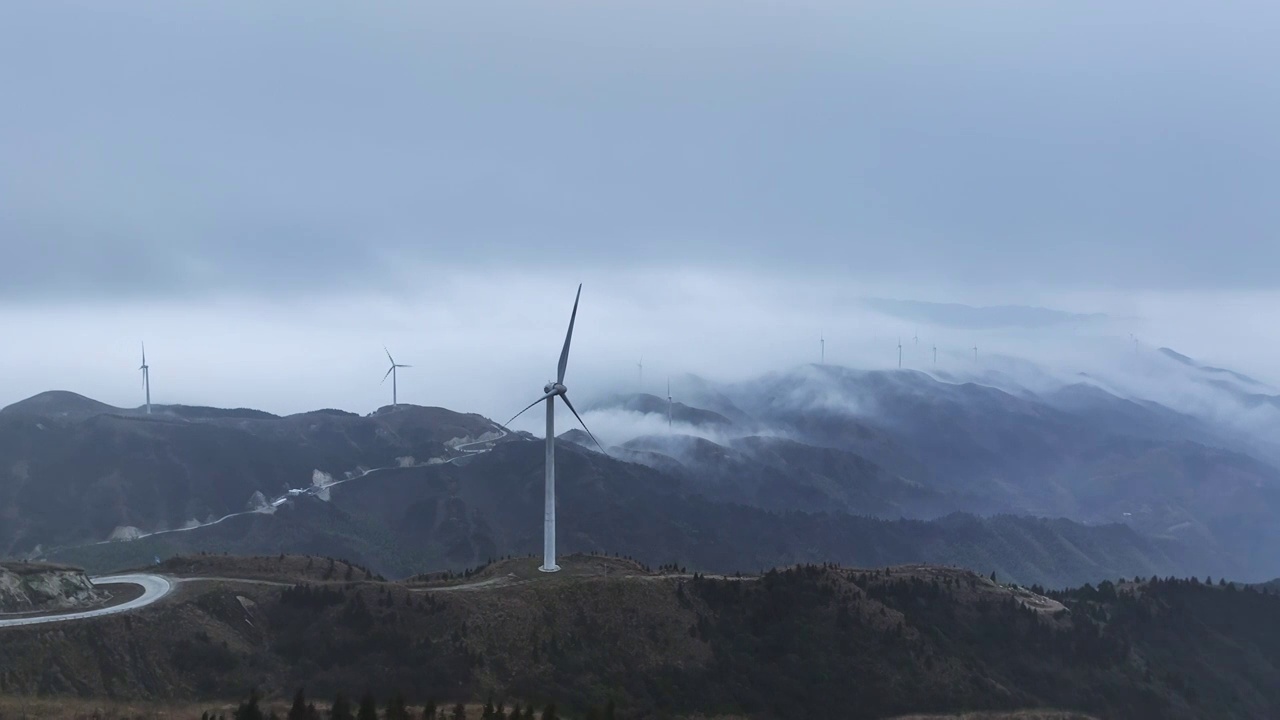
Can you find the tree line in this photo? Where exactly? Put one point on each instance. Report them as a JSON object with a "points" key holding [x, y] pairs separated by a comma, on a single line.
{"points": [[397, 708]]}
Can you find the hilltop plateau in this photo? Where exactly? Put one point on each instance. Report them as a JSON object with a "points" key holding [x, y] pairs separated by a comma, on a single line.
{"points": [[791, 643]]}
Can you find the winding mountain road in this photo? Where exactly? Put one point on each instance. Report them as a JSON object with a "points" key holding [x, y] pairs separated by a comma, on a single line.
{"points": [[157, 587], [154, 587]]}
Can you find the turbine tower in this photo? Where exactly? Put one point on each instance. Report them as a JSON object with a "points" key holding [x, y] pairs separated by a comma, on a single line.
{"points": [[935, 354], [391, 371], [899, 353], [550, 392], [640, 374], [975, 353], [668, 404], [146, 376], [822, 342], [916, 338]]}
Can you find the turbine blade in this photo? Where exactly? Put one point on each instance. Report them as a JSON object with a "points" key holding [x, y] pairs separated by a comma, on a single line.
{"points": [[388, 352], [564, 354], [535, 402], [389, 371], [404, 366], [584, 425]]}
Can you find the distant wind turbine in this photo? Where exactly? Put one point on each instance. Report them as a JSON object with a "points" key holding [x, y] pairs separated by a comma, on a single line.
{"points": [[822, 342], [975, 353], [146, 376], [916, 338], [550, 392], [935, 354], [391, 372], [640, 373], [668, 404], [899, 353]]}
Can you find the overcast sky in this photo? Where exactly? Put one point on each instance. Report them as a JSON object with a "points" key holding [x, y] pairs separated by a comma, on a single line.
{"points": [[269, 192]]}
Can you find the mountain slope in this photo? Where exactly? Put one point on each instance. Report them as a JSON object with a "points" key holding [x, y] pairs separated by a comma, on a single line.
{"points": [[68, 478], [412, 520]]}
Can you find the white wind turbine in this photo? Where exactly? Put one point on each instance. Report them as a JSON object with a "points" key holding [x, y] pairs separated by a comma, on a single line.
{"points": [[550, 392], [391, 371], [668, 404], [899, 353], [822, 342], [640, 375], [146, 376]]}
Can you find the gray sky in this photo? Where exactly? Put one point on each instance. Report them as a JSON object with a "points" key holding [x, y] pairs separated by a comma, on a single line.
{"points": [[321, 180]]}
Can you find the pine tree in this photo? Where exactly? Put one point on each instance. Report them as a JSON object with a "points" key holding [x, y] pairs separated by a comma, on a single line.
{"points": [[396, 709], [249, 710], [299, 709], [368, 707], [549, 713], [341, 709], [429, 710], [459, 712]]}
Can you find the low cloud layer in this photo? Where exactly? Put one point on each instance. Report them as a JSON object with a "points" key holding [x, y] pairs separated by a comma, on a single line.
{"points": [[488, 343], [179, 151]]}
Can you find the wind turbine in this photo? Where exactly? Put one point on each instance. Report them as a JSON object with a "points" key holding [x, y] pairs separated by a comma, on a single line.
{"points": [[668, 404], [916, 338], [899, 353], [146, 376], [391, 371], [975, 353], [935, 354], [822, 342], [640, 374], [550, 392]]}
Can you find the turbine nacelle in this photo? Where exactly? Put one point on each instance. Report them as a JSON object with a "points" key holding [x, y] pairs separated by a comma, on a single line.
{"points": [[554, 389]]}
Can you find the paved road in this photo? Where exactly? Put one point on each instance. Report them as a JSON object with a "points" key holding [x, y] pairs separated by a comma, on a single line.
{"points": [[154, 587]]}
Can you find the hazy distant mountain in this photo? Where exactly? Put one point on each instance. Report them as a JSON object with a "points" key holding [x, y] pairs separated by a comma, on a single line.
{"points": [[1209, 370], [59, 404], [779, 474], [1075, 450], [646, 404]]}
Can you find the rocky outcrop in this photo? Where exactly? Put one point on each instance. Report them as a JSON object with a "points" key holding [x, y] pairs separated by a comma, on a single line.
{"points": [[30, 587]]}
